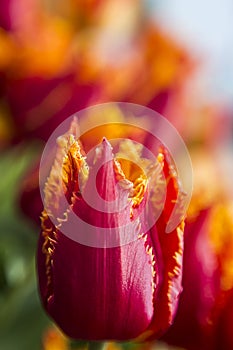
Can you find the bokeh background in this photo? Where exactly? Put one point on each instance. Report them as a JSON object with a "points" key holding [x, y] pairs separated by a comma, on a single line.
{"points": [[176, 57]]}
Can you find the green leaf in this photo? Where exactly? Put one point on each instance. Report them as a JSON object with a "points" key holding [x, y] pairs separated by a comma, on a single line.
{"points": [[22, 319]]}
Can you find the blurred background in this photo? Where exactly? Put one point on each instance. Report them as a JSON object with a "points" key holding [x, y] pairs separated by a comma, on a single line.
{"points": [[57, 57]]}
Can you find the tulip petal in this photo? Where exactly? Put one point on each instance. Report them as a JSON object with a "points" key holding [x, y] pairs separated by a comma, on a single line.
{"points": [[171, 244], [201, 282], [100, 293]]}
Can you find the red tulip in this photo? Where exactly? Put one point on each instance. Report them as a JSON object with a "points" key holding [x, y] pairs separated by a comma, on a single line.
{"points": [[55, 99], [121, 292], [6, 9], [221, 233], [191, 327], [223, 338]]}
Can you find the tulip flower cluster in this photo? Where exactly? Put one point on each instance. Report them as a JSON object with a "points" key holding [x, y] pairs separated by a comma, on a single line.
{"points": [[56, 58], [85, 62]]}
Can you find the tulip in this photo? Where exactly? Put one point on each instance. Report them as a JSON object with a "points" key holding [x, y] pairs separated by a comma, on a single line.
{"points": [[55, 98], [223, 337], [191, 328], [221, 234], [127, 291], [205, 312], [5, 14]]}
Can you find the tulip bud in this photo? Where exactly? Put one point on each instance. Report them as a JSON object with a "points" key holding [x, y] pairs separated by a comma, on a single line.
{"points": [[126, 290]]}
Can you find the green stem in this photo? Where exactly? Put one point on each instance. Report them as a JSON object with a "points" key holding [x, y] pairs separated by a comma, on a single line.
{"points": [[96, 346]]}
